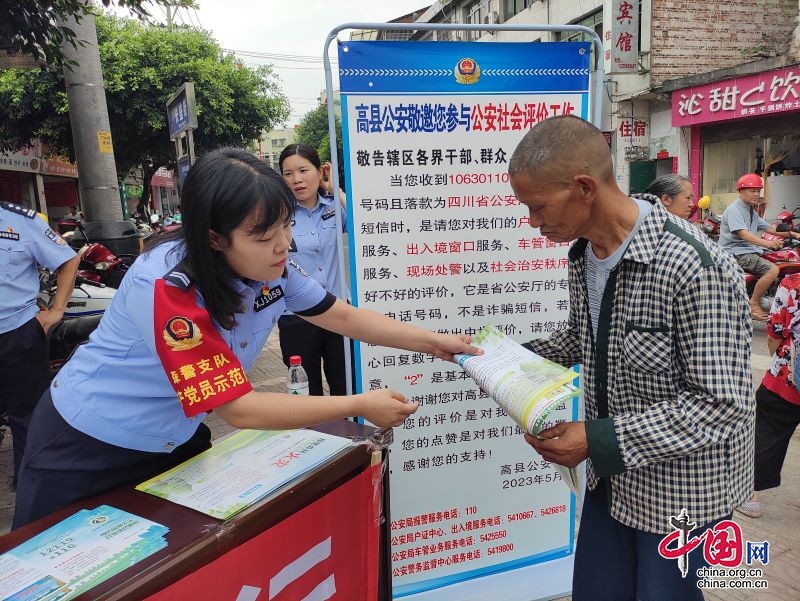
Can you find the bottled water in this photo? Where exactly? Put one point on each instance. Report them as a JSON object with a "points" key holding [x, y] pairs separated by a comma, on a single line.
{"points": [[297, 382]]}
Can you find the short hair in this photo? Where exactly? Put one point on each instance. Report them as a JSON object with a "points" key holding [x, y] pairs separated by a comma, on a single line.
{"points": [[669, 184], [563, 143], [221, 191]]}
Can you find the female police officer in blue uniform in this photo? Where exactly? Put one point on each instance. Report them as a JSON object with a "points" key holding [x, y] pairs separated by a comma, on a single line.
{"points": [[188, 320], [26, 241], [314, 248]]}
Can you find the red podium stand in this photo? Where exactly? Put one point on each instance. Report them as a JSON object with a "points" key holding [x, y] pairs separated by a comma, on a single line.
{"points": [[324, 532]]}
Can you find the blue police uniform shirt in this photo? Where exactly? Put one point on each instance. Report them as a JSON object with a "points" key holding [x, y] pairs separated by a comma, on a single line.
{"points": [[314, 243], [115, 389], [25, 241], [738, 216]]}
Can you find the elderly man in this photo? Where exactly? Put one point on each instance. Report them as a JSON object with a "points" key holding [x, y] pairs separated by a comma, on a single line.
{"points": [[660, 322]]}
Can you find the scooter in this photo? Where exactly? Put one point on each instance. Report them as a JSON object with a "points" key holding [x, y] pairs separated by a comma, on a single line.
{"points": [[787, 259], [88, 296]]}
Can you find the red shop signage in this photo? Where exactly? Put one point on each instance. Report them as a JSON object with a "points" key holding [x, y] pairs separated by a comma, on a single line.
{"points": [[326, 550], [769, 93]]}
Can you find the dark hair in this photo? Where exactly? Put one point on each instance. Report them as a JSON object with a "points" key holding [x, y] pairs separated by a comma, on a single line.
{"points": [[222, 189], [669, 184], [306, 151]]}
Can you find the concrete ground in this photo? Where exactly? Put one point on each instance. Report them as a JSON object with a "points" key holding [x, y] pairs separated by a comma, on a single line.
{"points": [[780, 524]]}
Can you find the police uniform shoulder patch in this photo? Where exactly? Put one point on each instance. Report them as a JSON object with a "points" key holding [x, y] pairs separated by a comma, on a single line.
{"points": [[54, 237], [296, 267], [182, 334], [179, 276], [15, 208]]}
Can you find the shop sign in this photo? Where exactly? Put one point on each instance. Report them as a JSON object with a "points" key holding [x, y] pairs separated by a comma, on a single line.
{"points": [[57, 166], [622, 40], [769, 93]]}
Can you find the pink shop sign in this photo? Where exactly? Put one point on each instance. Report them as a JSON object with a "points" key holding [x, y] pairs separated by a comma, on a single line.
{"points": [[769, 93]]}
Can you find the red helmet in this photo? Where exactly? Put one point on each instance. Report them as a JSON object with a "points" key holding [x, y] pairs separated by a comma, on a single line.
{"points": [[749, 180]]}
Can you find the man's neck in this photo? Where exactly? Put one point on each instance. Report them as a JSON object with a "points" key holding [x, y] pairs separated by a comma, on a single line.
{"points": [[615, 220]]}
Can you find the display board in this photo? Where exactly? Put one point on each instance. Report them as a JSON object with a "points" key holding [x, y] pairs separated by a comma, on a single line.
{"points": [[438, 239]]}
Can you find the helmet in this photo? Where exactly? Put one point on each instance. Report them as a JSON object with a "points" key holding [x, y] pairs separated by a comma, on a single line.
{"points": [[154, 218], [749, 180], [704, 203]]}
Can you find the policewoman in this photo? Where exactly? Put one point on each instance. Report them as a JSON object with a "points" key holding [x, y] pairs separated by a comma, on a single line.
{"points": [[26, 241], [188, 321], [314, 248]]}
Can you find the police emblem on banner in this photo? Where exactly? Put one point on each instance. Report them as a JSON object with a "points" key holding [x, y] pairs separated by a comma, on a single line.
{"points": [[467, 71], [182, 334]]}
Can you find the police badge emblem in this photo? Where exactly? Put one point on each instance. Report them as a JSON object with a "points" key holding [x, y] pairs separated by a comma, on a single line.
{"points": [[467, 71], [182, 334]]}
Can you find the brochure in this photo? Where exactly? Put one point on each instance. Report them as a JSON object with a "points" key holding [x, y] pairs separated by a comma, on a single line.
{"points": [[77, 553], [243, 468], [526, 385]]}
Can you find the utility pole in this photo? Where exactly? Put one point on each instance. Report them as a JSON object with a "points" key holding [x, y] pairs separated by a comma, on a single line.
{"points": [[91, 132]]}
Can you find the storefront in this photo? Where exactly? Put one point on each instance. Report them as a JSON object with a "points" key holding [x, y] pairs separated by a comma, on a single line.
{"points": [[49, 185], [748, 123]]}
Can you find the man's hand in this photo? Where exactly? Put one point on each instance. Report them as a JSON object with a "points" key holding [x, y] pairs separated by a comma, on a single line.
{"points": [[564, 443], [773, 244], [49, 318]]}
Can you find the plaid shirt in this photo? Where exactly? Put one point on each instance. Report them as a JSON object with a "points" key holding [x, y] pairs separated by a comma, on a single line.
{"points": [[667, 384]]}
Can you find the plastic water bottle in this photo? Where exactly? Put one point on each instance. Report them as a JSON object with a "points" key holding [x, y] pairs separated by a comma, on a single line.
{"points": [[297, 382]]}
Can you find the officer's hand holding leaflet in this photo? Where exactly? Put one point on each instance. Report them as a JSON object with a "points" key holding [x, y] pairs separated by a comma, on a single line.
{"points": [[188, 321]]}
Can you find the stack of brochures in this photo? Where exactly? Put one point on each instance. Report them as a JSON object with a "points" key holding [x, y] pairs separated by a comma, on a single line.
{"points": [[243, 468], [78, 553], [527, 386]]}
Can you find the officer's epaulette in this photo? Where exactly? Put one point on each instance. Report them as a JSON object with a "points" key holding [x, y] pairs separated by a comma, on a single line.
{"points": [[296, 267], [180, 276], [15, 208]]}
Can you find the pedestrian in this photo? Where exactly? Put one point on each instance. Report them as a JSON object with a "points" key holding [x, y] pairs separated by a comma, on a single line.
{"points": [[675, 192], [314, 248], [27, 242], [74, 214], [659, 323], [739, 235], [777, 398], [189, 319]]}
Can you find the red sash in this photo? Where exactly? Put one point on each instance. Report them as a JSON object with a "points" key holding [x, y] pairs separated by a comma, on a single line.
{"points": [[199, 364]]}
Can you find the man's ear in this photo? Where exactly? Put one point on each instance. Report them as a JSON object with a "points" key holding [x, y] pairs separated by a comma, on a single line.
{"points": [[216, 241], [587, 186]]}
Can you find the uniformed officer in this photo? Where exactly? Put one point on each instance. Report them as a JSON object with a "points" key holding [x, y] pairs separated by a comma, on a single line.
{"points": [[26, 241], [314, 248], [188, 321]]}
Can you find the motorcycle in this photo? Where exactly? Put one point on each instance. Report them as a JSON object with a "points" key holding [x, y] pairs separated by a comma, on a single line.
{"points": [[88, 296], [787, 259]]}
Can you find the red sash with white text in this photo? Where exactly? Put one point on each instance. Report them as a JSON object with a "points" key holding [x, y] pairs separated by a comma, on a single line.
{"points": [[199, 364]]}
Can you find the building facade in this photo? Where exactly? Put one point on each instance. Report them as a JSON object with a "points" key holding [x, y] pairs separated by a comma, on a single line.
{"points": [[649, 47], [272, 144]]}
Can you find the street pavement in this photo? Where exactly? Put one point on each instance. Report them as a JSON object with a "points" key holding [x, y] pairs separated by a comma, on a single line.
{"points": [[780, 524]]}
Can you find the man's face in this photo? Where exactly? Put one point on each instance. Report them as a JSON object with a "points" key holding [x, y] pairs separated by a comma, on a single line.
{"points": [[750, 196], [556, 207]]}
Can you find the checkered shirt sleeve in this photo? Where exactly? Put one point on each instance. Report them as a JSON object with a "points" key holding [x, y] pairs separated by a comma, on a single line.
{"points": [[679, 381]]}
